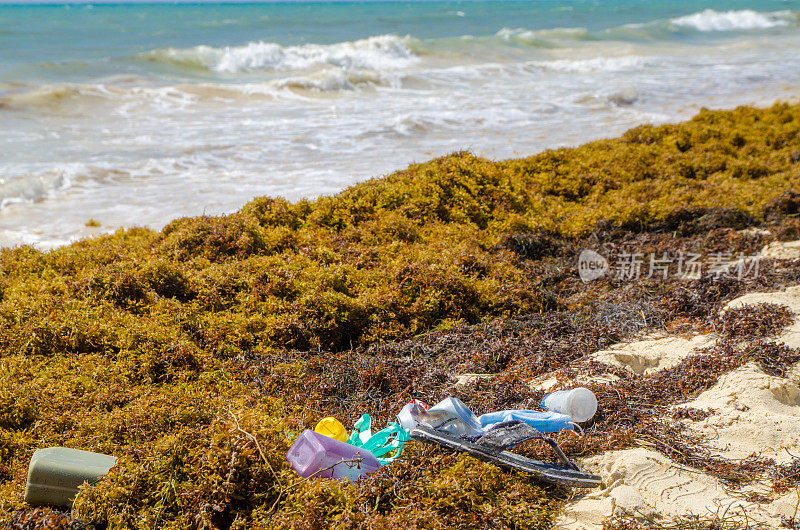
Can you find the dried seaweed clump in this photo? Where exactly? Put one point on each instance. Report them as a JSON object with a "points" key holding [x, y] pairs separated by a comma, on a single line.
{"points": [[721, 521], [759, 321], [46, 519]]}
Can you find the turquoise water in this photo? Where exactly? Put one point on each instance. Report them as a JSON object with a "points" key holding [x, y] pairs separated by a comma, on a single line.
{"points": [[134, 114], [78, 41]]}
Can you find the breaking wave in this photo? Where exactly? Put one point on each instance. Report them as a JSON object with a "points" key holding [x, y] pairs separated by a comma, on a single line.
{"points": [[36, 187], [384, 52]]}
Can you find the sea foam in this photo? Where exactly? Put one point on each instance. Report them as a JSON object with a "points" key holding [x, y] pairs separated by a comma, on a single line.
{"points": [[598, 64]]}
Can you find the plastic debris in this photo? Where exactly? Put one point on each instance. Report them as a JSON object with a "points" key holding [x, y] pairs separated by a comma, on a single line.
{"points": [[316, 455], [451, 415], [450, 423], [327, 451], [579, 403], [386, 445], [492, 447], [406, 416], [544, 422], [332, 428], [55, 473]]}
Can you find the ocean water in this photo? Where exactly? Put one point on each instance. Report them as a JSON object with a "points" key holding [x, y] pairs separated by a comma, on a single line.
{"points": [[133, 115]]}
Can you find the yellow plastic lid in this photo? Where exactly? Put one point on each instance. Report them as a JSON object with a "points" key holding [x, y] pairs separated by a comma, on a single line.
{"points": [[332, 428]]}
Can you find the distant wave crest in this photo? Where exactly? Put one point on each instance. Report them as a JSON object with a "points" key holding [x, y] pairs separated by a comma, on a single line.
{"points": [[702, 21], [384, 52], [746, 19], [542, 37]]}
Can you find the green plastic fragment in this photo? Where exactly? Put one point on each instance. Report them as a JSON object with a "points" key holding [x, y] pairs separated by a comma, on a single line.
{"points": [[386, 445], [55, 473]]}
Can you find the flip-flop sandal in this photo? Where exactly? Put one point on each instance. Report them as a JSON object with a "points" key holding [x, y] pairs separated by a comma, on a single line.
{"points": [[491, 447]]}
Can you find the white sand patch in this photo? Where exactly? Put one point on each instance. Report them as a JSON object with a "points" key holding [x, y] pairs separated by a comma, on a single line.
{"points": [[643, 483], [753, 232], [544, 383], [787, 505], [465, 379], [782, 250], [754, 413], [547, 382], [789, 298], [652, 355]]}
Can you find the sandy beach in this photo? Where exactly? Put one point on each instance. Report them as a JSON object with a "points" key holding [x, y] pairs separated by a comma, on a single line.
{"points": [[752, 414]]}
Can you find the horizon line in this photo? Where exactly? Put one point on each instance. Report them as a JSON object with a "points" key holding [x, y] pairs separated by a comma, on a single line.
{"points": [[50, 3]]}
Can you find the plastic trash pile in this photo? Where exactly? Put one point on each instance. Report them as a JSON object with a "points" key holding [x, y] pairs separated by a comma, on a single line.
{"points": [[56, 473], [328, 451]]}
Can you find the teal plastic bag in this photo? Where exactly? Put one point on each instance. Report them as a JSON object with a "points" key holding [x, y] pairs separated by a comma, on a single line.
{"points": [[386, 445]]}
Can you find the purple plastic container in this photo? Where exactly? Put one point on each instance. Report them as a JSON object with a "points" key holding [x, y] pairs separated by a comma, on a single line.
{"points": [[321, 456]]}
